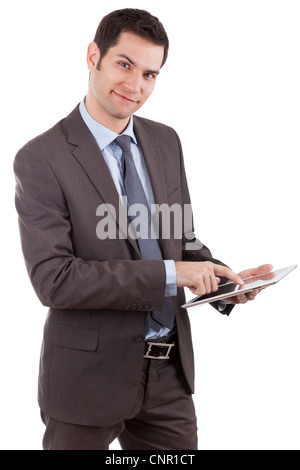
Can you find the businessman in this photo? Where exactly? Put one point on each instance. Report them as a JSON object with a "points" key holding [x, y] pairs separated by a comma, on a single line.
{"points": [[117, 355]]}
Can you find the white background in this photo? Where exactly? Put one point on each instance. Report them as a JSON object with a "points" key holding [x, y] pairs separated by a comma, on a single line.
{"points": [[231, 90]]}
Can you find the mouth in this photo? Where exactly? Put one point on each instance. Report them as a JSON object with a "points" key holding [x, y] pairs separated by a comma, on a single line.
{"points": [[123, 98]]}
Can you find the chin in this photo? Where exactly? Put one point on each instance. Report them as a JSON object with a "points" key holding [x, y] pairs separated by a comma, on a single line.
{"points": [[125, 112], [121, 116], [122, 113]]}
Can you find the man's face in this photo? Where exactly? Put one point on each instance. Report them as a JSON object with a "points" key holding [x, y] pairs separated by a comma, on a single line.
{"points": [[126, 77]]}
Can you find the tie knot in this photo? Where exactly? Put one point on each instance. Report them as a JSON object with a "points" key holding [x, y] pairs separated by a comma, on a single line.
{"points": [[124, 142]]}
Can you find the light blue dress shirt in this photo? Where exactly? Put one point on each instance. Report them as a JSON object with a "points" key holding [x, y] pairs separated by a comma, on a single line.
{"points": [[112, 154]]}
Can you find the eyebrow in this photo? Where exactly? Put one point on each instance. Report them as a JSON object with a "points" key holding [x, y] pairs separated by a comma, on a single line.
{"points": [[124, 56]]}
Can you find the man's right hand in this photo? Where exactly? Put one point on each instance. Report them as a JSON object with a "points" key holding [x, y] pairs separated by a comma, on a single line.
{"points": [[202, 277]]}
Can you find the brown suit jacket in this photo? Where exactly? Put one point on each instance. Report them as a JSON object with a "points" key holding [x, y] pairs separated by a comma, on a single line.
{"points": [[98, 291]]}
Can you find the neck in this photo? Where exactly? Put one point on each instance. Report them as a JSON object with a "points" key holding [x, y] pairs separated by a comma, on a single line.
{"points": [[100, 115]]}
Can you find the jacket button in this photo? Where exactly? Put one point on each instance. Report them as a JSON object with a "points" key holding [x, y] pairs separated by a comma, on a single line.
{"points": [[140, 339]]}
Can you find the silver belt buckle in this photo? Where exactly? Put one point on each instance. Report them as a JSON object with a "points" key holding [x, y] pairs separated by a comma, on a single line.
{"points": [[166, 356]]}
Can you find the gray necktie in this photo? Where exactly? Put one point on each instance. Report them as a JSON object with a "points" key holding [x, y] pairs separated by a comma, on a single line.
{"points": [[149, 247]]}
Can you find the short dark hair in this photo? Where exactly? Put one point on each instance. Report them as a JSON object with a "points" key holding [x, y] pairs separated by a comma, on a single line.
{"points": [[130, 20]]}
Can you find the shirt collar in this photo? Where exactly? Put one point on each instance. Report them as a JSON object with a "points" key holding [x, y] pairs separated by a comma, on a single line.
{"points": [[102, 135]]}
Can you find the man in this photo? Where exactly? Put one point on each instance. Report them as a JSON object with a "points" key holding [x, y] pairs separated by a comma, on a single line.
{"points": [[117, 356]]}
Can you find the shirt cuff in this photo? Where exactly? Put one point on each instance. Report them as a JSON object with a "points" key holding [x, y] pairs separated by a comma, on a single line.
{"points": [[171, 278]]}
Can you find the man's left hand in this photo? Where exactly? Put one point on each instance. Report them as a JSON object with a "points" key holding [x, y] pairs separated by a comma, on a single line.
{"points": [[263, 271]]}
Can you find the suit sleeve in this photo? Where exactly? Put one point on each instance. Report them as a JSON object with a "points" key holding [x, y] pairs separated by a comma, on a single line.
{"points": [[192, 248], [60, 279]]}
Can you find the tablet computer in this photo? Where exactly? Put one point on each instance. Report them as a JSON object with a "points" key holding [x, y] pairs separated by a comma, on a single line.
{"points": [[231, 289]]}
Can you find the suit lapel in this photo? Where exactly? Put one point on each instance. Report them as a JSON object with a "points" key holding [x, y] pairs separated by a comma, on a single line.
{"points": [[152, 156], [153, 159], [89, 156]]}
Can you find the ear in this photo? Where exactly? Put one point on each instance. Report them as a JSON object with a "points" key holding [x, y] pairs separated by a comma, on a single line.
{"points": [[93, 57]]}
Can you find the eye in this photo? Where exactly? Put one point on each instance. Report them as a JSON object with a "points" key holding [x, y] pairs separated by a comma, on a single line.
{"points": [[150, 76], [124, 65]]}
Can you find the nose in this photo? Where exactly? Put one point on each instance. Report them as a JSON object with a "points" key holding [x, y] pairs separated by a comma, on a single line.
{"points": [[133, 83]]}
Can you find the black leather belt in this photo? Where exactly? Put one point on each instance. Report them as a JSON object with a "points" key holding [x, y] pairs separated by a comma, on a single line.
{"points": [[158, 350]]}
